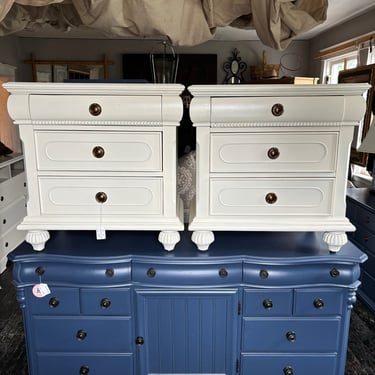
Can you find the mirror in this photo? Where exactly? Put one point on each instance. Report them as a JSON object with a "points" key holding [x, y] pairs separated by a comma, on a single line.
{"points": [[234, 68]]}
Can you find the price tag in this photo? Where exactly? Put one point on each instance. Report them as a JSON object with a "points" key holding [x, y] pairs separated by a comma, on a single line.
{"points": [[41, 290], [100, 233]]}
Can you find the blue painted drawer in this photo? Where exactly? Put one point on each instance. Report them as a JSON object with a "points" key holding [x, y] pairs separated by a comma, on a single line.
{"points": [[366, 219], [279, 364], [104, 301], [309, 302], [269, 302], [61, 301], [365, 239], [368, 287], [290, 335], [187, 274], [276, 275], [70, 363], [86, 334]]}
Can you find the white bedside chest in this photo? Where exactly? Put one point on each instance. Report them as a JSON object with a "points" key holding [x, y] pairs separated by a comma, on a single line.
{"points": [[99, 156], [273, 158]]}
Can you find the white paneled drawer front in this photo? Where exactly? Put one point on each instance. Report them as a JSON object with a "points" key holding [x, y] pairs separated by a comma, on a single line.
{"points": [[273, 152], [270, 196], [277, 109], [122, 195], [95, 108], [116, 151]]}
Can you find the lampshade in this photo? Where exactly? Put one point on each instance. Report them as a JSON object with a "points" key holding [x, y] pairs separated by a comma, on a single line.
{"points": [[368, 144], [164, 63]]}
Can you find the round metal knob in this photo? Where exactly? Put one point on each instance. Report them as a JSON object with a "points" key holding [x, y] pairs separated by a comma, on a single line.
{"points": [[223, 273], [95, 109], [84, 370], [277, 109], [291, 336], [151, 272], [268, 304], [39, 271], [54, 302], [105, 303], [273, 153], [109, 272], [139, 340], [318, 303], [263, 274], [271, 198], [81, 335], [101, 197], [334, 272], [288, 370], [98, 152]]}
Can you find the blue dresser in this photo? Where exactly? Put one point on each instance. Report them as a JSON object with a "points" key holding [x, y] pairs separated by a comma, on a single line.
{"points": [[255, 303], [361, 212]]}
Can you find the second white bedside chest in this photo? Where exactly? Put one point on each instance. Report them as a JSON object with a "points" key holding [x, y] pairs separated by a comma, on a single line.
{"points": [[99, 156], [273, 158]]}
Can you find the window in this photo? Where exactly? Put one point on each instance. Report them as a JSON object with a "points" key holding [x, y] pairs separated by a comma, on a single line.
{"points": [[334, 65]]}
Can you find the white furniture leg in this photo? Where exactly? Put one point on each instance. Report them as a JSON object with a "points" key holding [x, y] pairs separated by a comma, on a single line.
{"points": [[203, 239], [37, 238], [335, 240], [169, 239]]}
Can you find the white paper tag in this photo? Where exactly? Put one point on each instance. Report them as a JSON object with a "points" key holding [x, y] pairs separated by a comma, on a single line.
{"points": [[41, 290], [100, 233]]}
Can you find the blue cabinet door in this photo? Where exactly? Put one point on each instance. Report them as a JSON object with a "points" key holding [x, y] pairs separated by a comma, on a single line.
{"points": [[187, 331]]}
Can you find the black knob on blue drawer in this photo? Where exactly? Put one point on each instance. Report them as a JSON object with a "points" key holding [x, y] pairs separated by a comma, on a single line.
{"points": [[291, 336], [267, 304], [84, 370], [53, 302], [223, 273], [263, 274], [151, 272], [318, 303], [288, 370], [334, 272], [109, 272], [139, 340], [81, 335], [105, 303], [39, 271]]}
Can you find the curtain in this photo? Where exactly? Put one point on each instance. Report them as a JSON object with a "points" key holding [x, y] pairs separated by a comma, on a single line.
{"points": [[183, 22]]}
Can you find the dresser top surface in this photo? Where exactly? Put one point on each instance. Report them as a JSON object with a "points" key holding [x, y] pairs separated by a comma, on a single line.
{"points": [[363, 197], [257, 247]]}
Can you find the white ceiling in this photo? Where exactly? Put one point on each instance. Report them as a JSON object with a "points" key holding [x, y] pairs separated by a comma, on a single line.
{"points": [[339, 11]]}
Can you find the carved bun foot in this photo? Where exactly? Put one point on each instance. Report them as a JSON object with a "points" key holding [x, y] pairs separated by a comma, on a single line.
{"points": [[37, 239], [169, 239], [203, 239], [335, 240]]}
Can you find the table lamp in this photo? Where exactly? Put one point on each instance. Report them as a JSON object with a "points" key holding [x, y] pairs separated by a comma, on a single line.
{"points": [[368, 145]]}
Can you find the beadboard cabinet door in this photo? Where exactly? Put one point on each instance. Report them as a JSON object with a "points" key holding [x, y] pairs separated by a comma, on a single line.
{"points": [[187, 331]]}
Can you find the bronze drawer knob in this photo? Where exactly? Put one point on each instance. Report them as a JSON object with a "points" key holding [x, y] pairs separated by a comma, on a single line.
{"points": [[288, 370], [54, 302], [105, 303], [109, 272], [223, 273], [98, 152], [39, 271], [291, 336], [81, 335], [318, 303], [84, 370], [95, 109], [151, 272], [334, 272], [271, 198], [273, 153], [268, 304], [101, 197], [263, 274], [139, 341], [277, 109]]}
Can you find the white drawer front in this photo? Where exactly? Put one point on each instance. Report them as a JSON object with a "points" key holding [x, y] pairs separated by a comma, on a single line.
{"points": [[135, 196], [12, 215], [273, 152], [293, 109], [289, 196], [111, 108], [12, 189], [115, 151]]}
